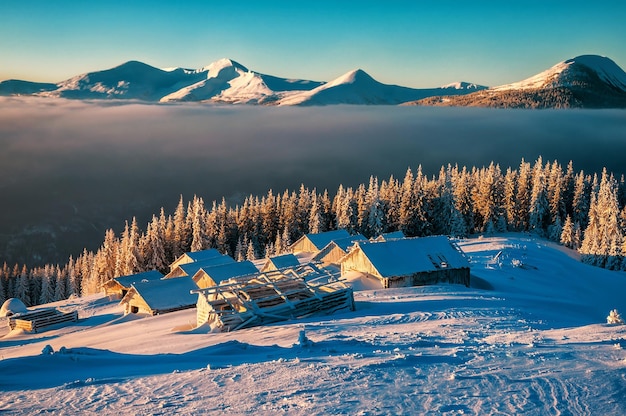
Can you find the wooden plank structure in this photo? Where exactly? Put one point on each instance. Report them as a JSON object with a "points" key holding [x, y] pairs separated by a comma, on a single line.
{"points": [[36, 320], [269, 297]]}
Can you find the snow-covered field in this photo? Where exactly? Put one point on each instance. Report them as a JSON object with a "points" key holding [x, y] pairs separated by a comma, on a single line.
{"points": [[529, 337]]}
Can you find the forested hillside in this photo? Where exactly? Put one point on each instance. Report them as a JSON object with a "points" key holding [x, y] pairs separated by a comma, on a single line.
{"points": [[582, 211]]}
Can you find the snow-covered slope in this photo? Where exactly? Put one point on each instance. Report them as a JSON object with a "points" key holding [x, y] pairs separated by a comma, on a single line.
{"points": [[529, 337], [573, 72], [358, 87], [131, 80]]}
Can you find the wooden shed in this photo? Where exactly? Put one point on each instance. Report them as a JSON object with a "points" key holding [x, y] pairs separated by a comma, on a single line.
{"points": [[312, 243], [214, 275], [160, 296], [337, 249], [194, 256], [280, 262], [117, 287], [190, 269], [409, 262]]}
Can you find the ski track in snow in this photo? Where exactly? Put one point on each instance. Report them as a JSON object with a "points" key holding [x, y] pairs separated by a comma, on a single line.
{"points": [[432, 350]]}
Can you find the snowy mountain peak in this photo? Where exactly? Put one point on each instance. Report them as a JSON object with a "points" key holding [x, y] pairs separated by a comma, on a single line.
{"points": [[605, 68], [462, 85], [221, 64], [571, 72], [352, 77]]}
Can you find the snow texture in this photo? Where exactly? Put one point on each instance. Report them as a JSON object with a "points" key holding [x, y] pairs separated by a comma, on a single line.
{"points": [[528, 337]]}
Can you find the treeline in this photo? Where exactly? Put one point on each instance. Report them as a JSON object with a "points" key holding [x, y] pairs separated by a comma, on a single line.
{"points": [[584, 212]]}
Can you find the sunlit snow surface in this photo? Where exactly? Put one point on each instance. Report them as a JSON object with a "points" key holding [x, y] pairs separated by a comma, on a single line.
{"points": [[529, 337]]}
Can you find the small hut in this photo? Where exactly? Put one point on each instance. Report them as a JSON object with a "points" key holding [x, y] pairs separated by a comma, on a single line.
{"points": [[194, 256], [337, 249], [280, 262], [409, 262], [312, 243], [160, 296], [117, 287], [214, 275], [190, 269]]}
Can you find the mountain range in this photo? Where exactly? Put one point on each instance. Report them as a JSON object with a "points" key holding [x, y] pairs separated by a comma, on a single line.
{"points": [[585, 81]]}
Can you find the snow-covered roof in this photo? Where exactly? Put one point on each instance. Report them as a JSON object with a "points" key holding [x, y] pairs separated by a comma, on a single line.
{"points": [[346, 243], [390, 236], [412, 255], [203, 254], [223, 272], [166, 293], [283, 261], [320, 240], [127, 281], [192, 268]]}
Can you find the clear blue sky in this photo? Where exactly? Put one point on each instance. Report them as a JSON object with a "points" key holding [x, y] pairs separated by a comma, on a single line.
{"points": [[412, 43]]}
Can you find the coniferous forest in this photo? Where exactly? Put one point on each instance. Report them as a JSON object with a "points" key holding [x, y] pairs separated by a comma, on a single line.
{"points": [[582, 211]]}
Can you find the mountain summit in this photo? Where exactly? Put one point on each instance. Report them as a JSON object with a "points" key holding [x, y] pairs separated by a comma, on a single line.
{"points": [[587, 81]]}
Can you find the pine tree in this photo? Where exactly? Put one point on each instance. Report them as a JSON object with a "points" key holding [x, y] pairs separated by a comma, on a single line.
{"points": [[315, 216], [539, 206], [603, 237], [376, 215], [22, 287], [198, 230], [510, 198], [523, 207], [47, 291], [567, 233], [60, 285], [488, 195], [580, 200], [182, 232], [3, 277], [72, 287]]}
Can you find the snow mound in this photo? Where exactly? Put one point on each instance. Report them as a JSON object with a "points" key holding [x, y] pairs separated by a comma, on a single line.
{"points": [[11, 307]]}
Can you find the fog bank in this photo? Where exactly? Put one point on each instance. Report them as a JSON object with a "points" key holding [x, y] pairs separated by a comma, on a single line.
{"points": [[69, 170]]}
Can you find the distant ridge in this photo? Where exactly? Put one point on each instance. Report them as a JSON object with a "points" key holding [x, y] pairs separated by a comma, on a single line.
{"points": [[587, 81]]}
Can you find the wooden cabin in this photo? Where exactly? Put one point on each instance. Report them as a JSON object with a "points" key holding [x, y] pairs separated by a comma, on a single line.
{"points": [[280, 262], [194, 256], [312, 243], [160, 296], [337, 249], [409, 262], [117, 287], [214, 275], [190, 269]]}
